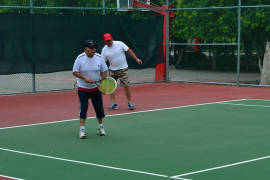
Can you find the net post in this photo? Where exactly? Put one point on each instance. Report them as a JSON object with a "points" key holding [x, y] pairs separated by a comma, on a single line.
{"points": [[31, 5], [34, 82]]}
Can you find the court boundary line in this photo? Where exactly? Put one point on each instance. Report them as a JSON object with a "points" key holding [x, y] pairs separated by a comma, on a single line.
{"points": [[259, 99], [85, 163], [248, 105], [111, 115], [219, 167], [1, 175]]}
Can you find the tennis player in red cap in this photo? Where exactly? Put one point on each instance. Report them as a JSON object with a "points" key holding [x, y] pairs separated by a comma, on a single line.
{"points": [[114, 53]]}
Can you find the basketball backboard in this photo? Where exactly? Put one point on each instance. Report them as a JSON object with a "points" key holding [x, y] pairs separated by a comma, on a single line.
{"points": [[123, 5]]}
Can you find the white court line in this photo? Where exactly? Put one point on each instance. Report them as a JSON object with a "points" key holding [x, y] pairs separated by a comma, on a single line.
{"points": [[248, 105], [86, 163], [27, 125], [220, 167], [9, 177], [259, 99], [180, 178]]}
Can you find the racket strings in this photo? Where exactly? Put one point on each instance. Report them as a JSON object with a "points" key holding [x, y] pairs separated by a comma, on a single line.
{"points": [[107, 86]]}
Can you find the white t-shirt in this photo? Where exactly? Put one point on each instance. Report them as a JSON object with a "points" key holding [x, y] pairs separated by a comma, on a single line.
{"points": [[115, 55], [90, 67]]}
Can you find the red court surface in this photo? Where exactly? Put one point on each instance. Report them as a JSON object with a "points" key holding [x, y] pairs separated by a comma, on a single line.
{"points": [[5, 178], [63, 105]]}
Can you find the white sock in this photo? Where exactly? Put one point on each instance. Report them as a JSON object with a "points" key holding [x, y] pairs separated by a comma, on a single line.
{"points": [[82, 127], [100, 125]]}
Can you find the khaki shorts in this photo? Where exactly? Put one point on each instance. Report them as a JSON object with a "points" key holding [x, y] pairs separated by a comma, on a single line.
{"points": [[121, 74]]}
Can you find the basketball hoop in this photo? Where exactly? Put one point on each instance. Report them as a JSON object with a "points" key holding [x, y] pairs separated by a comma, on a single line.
{"points": [[123, 5]]}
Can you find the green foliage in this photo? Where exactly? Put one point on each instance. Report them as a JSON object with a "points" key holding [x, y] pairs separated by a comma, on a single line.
{"points": [[210, 25], [14, 3], [219, 25]]}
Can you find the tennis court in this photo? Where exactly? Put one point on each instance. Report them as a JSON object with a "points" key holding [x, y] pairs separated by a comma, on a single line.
{"points": [[215, 138]]}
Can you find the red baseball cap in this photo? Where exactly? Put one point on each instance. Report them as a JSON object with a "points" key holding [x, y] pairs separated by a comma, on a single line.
{"points": [[107, 37]]}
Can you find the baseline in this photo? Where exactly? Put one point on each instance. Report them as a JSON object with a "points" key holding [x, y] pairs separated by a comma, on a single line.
{"points": [[248, 105]]}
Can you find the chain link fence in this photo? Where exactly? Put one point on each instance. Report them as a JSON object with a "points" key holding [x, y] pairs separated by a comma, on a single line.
{"points": [[235, 55]]}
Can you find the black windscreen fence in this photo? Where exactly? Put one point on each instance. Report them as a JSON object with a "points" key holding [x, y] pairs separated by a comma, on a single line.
{"points": [[31, 43]]}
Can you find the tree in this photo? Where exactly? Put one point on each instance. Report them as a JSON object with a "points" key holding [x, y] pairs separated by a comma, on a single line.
{"points": [[256, 28], [220, 25], [265, 78], [13, 3]]}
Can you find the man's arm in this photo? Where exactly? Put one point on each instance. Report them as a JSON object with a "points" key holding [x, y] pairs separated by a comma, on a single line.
{"points": [[132, 54], [86, 79], [103, 74]]}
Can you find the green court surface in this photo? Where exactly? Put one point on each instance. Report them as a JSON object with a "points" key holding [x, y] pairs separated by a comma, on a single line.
{"points": [[214, 141]]}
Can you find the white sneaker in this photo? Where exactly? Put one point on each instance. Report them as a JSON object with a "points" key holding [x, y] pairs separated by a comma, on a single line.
{"points": [[82, 134], [102, 131]]}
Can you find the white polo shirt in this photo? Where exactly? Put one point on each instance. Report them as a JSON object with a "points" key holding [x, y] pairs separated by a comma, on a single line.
{"points": [[89, 67], [115, 55]]}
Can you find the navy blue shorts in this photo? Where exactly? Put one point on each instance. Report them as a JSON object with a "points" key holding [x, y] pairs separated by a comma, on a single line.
{"points": [[97, 102]]}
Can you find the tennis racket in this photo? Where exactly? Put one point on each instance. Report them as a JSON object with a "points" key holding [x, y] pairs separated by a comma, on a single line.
{"points": [[107, 85]]}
